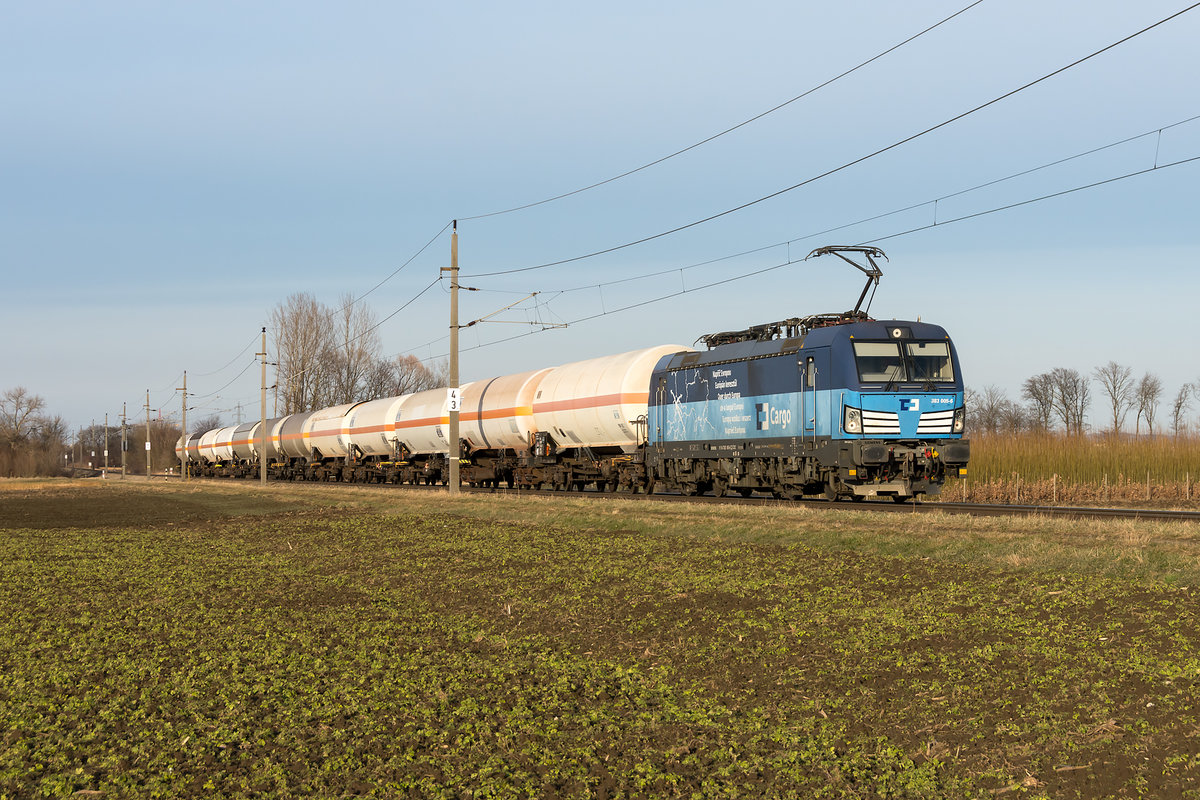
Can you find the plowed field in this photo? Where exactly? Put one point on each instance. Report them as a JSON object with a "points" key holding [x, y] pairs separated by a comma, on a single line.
{"points": [[235, 642]]}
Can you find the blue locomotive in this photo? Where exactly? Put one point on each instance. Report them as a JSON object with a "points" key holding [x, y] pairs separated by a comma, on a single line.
{"points": [[839, 404]]}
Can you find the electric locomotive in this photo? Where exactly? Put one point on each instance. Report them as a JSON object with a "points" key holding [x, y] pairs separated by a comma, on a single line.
{"points": [[839, 405], [834, 404]]}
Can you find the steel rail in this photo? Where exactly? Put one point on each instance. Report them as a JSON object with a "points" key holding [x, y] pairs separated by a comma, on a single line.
{"points": [[918, 507]]}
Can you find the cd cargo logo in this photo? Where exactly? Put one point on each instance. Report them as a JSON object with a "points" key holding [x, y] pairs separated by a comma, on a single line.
{"points": [[765, 416]]}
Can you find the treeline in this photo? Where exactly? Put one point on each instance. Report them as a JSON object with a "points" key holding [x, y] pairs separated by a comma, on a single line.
{"points": [[89, 444], [1060, 401], [32, 442], [330, 356]]}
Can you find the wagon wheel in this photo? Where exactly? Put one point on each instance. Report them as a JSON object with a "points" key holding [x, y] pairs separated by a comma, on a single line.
{"points": [[688, 489], [830, 492], [745, 491], [720, 486]]}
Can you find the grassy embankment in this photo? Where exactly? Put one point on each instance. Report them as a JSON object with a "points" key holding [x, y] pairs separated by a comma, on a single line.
{"points": [[229, 641], [1044, 469]]}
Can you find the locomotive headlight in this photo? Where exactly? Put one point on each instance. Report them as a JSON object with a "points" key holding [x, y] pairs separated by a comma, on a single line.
{"points": [[852, 420], [960, 419]]}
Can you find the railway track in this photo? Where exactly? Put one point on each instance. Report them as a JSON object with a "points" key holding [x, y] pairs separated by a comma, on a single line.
{"points": [[978, 509]]}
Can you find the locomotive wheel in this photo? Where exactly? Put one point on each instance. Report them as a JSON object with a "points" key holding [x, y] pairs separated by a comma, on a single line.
{"points": [[831, 492], [744, 492], [688, 489]]}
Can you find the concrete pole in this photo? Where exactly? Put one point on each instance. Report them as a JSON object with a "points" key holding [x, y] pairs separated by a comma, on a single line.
{"points": [[104, 474], [124, 438], [453, 454], [262, 433], [147, 434], [183, 459]]}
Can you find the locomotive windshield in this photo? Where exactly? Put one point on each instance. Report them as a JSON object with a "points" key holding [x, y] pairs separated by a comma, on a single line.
{"points": [[879, 361], [893, 362], [930, 361]]}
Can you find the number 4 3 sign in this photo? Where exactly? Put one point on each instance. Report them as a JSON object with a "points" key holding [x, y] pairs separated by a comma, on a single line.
{"points": [[454, 399]]}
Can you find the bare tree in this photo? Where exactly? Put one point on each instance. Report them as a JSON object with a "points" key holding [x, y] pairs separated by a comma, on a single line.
{"points": [[1118, 385], [301, 329], [31, 443], [206, 424], [989, 409], [1015, 419], [1039, 391], [19, 414], [1148, 393], [1072, 395], [353, 351], [404, 375], [51, 434], [1179, 409]]}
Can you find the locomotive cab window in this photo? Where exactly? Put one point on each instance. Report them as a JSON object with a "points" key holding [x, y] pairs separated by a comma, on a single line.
{"points": [[930, 361], [897, 362], [879, 361]]}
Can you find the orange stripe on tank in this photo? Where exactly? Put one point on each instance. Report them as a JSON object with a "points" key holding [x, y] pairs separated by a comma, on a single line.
{"points": [[589, 402]]}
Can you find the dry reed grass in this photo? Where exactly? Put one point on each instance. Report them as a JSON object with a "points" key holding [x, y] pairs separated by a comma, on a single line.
{"points": [[1047, 469]]}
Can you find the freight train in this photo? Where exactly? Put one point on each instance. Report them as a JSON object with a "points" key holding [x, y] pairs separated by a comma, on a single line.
{"points": [[836, 405]]}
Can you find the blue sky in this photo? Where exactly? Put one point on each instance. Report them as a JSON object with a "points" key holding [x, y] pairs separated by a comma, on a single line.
{"points": [[171, 172]]}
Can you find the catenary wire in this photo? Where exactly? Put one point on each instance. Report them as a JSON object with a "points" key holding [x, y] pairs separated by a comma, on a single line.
{"points": [[230, 383], [399, 268], [252, 342], [882, 215], [789, 261], [1051, 196], [742, 124], [848, 164]]}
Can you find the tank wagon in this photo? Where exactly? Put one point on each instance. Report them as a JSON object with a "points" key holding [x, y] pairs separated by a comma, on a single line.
{"points": [[838, 405]]}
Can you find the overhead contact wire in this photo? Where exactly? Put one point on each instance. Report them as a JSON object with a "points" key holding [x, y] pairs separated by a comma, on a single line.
{"points": [[790, 261], [399, 268], [848, 164], [743, 124]]}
